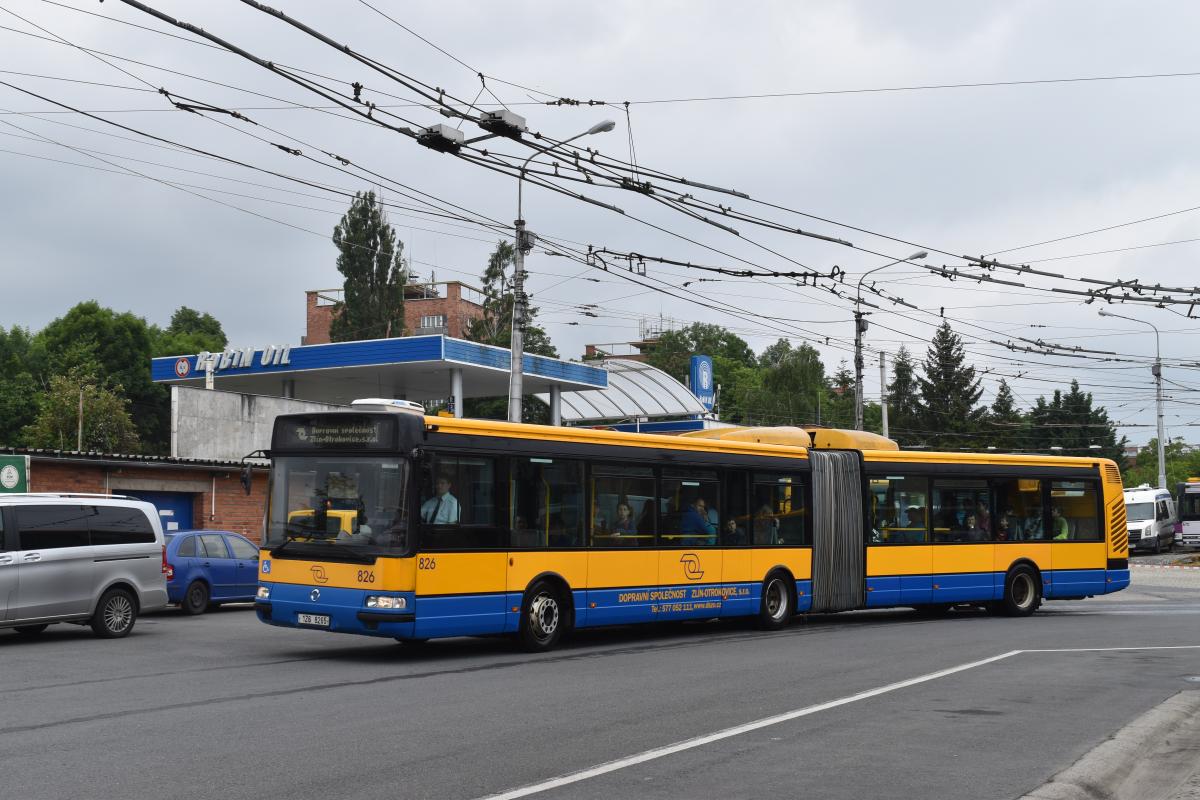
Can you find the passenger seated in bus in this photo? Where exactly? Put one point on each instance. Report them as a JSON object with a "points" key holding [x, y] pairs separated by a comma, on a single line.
{"points": [[695, 526], [1059, 527], [734, 534], [766, 527], [1003, 534], [974, 532], [624, 524], [442, 508], [983, 516], [645, 523], [1032, 527]]}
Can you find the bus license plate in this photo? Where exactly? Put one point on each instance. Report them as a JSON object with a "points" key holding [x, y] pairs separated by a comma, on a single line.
{"points": [[319, 620]]}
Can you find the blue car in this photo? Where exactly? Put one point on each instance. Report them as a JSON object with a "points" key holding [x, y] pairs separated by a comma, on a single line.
{"points": [[207, 568]]}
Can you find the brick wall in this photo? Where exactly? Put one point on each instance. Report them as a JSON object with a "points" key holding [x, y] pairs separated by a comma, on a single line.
{"points": [[235, 510], [458, 313]]}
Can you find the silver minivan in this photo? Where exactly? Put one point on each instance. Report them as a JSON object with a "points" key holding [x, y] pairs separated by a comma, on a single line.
{"points": [[98, 560]]}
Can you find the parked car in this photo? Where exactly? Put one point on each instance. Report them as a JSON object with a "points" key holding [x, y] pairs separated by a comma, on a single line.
{"points": [[96, 560], [207, 568], [1150, 514]]}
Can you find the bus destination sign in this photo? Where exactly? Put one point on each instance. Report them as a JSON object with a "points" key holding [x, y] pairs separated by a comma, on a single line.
{"points": [[335, 433]]}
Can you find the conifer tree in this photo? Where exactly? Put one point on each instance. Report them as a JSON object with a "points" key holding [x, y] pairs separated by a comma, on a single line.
{"points": [[1006, 423], [904, 400], [371, 261], [949, 392]]}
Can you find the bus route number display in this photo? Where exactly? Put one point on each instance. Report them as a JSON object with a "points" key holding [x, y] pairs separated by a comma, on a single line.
{"points": [[332, 433]]}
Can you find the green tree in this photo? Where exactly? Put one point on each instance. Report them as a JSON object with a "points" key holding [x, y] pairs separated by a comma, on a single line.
{"points": [[115, 348], [1006, 424], [1069, 424], [904, 400], [372, 265], [949, 392], [18, 388], [190, 331], [792, 379], [673, 350], [495, 328], [107, 424], [838, 409], [1182, 463]]}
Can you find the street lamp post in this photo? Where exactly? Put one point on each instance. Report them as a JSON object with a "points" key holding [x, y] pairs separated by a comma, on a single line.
{"points": [[524, 243], [1156, 370], [860, 327]]}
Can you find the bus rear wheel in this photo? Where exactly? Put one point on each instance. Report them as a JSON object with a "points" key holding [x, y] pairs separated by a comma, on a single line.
{"points": [[1022, 591], [543, 617], [776, 607]]}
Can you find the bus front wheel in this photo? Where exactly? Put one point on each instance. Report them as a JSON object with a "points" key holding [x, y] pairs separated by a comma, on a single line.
{"points": [[1022, 591], [776, 607], [543, 617]]}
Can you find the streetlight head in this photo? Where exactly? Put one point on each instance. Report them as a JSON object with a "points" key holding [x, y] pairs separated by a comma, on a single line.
{"points": [[602, 127], [917, 255]]}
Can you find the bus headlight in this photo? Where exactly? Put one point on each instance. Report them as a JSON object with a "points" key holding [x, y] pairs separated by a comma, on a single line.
{"points": [[387, 602], [264, 593]]}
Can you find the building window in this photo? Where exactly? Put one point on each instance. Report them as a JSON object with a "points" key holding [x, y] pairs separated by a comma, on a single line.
{"points": [[433, 321]]}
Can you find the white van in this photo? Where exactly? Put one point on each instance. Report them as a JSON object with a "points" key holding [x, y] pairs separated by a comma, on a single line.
{"points": [[1150, 515], [97, 560]]}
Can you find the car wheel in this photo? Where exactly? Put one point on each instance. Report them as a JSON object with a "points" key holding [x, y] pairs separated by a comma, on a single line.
{"points": [[31, 630], [776, 606], [115, 614], [1022, 591], [195, 599], [1157, 545], [543, 617]]}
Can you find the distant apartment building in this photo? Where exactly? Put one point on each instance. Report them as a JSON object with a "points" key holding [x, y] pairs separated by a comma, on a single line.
{"points": [[649, 331], [445, 307]]}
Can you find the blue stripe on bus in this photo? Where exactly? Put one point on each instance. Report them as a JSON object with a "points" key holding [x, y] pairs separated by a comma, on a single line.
{"points": [[460, 615], [1117, 579], [1077, 582], [340, 605]]}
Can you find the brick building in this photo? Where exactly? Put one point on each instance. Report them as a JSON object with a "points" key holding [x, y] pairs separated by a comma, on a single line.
{"points": [[446, 307], [189, 494]]}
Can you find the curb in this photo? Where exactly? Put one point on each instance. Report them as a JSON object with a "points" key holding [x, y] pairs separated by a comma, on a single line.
{"points": [[1161, 566], [1149, 759]]}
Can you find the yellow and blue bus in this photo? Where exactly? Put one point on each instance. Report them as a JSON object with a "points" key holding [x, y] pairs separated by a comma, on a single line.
{"points": [[472, 527]]}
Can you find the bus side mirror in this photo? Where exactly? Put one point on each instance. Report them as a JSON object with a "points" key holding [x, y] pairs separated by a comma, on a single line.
{"points": [[247, 478]]}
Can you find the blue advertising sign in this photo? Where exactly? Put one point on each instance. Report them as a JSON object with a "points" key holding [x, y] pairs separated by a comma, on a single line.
{"points": [[701, 381]]}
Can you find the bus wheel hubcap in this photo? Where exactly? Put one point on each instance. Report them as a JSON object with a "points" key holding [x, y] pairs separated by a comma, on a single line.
{"points": [[1022, 591], [776, 602], [543, 616]]}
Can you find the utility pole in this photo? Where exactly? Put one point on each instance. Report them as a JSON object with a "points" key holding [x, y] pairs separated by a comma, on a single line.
{"points": [[1156, 371], [883, 396], [860, 327], [516, 373]]}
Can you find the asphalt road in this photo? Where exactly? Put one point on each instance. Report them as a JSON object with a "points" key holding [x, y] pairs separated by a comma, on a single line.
{"points": [[221, 706]]}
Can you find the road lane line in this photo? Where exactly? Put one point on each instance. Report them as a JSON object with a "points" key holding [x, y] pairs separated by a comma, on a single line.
{"points": [[737, 730]]}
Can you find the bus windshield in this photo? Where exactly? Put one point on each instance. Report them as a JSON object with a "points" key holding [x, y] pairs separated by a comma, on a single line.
{"points": [[1139, 512], [338, 507]]}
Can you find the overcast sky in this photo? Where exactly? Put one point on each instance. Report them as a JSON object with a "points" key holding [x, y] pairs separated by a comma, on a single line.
{"points": [[965, 170]]}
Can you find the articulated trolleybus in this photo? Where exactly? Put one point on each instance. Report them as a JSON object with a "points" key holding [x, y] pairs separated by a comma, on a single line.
{"points": [[384, 522]]}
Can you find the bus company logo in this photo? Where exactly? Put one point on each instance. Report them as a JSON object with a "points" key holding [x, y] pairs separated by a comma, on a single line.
{"points": [[691, 566], [314, 595], [183, 367], [319, 576]]}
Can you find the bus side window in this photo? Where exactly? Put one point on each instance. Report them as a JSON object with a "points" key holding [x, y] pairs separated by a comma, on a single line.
{"points": [[1074, 509], [900, 509], [458, 504], [779, 510], [736, 521], [546, 502], [623, 506]]}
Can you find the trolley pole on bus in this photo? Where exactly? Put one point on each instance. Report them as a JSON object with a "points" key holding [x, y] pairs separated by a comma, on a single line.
{"points": [[1156, 371], [860, 327], [524, 243]]}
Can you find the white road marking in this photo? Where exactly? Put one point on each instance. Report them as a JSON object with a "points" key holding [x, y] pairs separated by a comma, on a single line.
{"points": [[738, 730]]}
